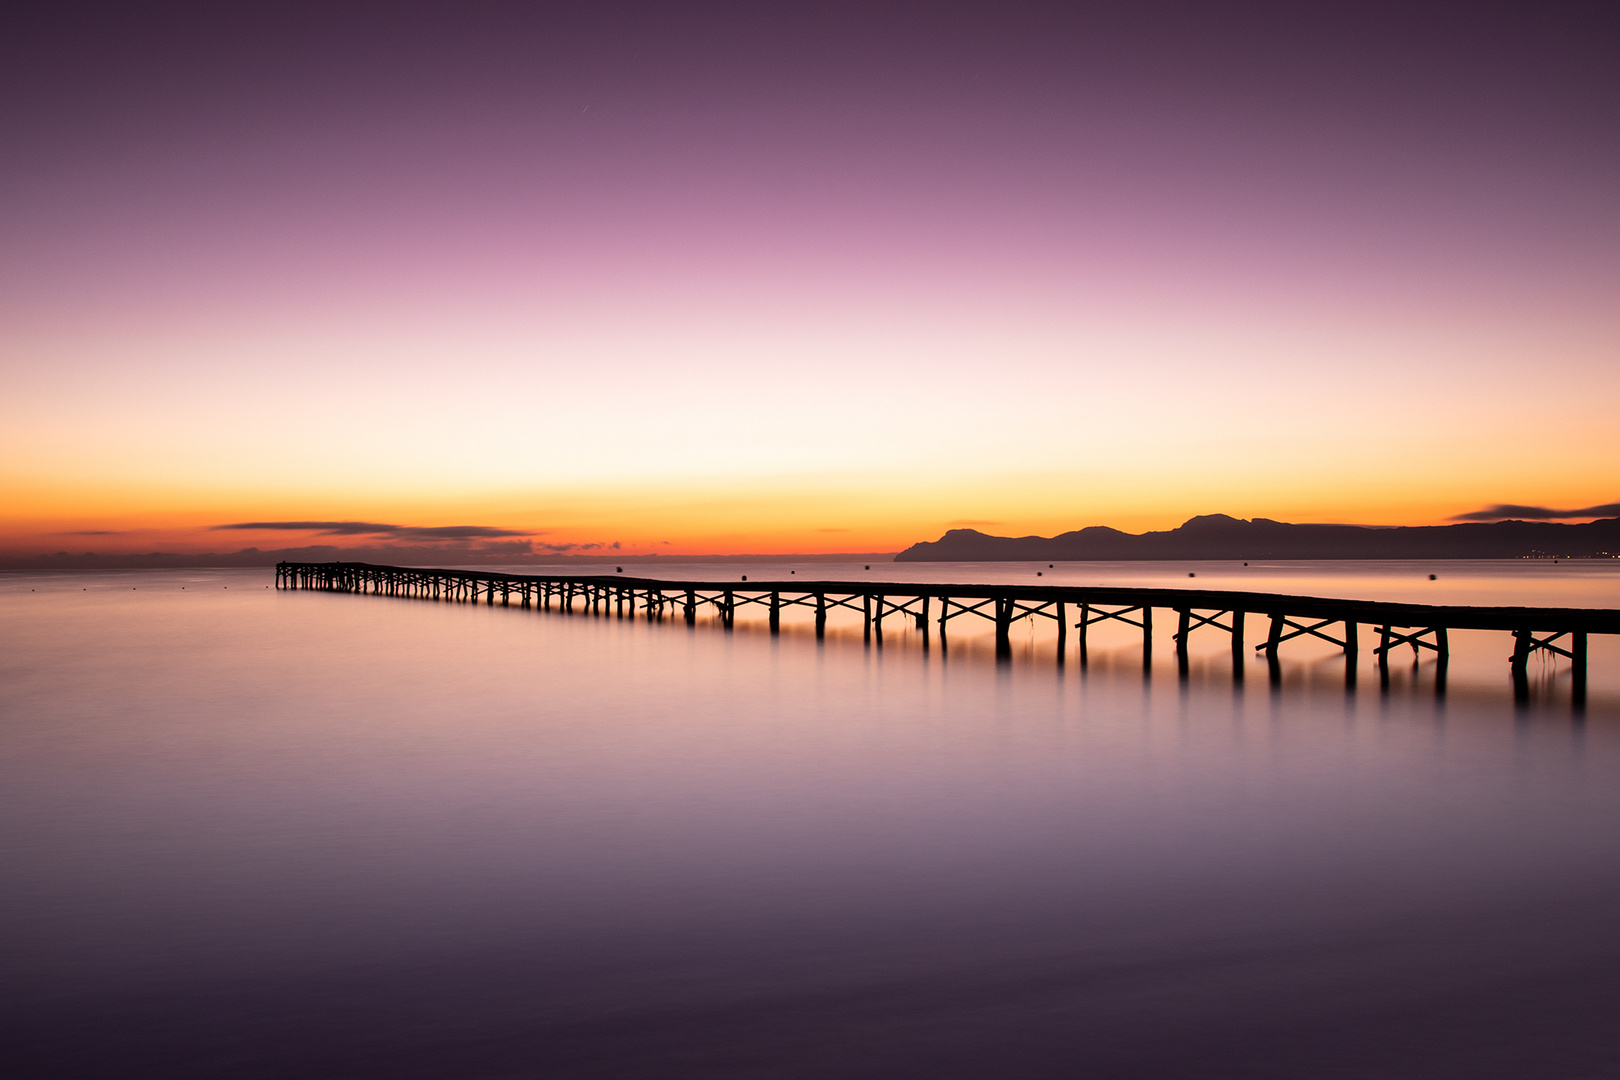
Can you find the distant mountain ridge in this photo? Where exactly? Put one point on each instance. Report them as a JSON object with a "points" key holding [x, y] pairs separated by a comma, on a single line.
{"points": [[1218, 536]]}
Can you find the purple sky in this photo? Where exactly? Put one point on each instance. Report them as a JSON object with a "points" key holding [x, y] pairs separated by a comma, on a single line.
{"points": [[1142, 209]]}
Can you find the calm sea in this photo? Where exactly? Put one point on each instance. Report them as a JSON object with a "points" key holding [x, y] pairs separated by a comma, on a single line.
{"points": [[248, 833]]}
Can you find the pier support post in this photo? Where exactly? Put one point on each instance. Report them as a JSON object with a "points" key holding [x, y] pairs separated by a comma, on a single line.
{"points": [[1083, 625], [877, 621], [1383, 657], [1147, 639], [1063, 633], [1183, 629], [1237, 645], [1520, 662], [1273, 640], [728, 612], [776, 612], [691, 607], [821, 616], [866, 613], [1352, 652], [1003, 629], [1577, 673]]}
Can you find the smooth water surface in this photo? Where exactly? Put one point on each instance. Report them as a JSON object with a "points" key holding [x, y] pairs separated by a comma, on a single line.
{"points": [[256, 833]]}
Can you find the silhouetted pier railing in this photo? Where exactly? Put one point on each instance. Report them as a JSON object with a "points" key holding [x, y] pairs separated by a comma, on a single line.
{"points": [[1561, 632]]}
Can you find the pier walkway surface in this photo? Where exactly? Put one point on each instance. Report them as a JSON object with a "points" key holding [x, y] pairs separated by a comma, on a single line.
{"points": [[1559, 631]]}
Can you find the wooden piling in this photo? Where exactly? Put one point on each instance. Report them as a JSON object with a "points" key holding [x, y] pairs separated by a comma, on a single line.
{"points": [[1238, 656], [1577, 675], [1084, 625], [1520, 662]]}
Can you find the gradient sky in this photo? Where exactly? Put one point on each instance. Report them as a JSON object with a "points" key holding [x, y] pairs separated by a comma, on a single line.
{"points": [[712, 278]]}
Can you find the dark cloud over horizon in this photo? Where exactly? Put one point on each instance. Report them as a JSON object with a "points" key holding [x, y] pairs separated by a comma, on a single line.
{"points": [[372, 528], [1538, 513]]}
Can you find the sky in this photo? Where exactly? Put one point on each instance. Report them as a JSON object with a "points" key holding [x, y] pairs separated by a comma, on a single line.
{"points": [[700, 278]]}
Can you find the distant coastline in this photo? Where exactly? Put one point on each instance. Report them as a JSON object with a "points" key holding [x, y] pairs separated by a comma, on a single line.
{"points": [[1217, 536], [1212, 536]]}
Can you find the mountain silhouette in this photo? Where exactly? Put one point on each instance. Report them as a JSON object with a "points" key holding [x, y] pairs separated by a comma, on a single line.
{"points": [[1217, 536]]}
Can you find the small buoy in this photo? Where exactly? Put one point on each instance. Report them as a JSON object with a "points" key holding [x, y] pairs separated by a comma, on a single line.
{"points": [[1431, 577], [869, 566], [618, 569], [1245, 564], [1049, 566], [793, 571], [745, 577], [1191, 574], [1037, 573]]}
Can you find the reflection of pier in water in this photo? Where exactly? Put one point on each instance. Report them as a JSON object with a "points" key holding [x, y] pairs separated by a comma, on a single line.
{"points": [[1561, 632]]}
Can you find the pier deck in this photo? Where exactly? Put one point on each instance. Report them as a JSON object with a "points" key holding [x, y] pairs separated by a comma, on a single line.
{"points": [[1562, 632]]}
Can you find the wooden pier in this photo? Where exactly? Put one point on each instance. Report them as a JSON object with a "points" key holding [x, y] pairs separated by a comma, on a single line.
{"points": [[1560, 632]]}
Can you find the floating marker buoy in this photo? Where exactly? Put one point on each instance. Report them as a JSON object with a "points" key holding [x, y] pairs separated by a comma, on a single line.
{"points": [[1037, 573], [1191, 574], [869, 566], [745, 577], [1431, 577]]}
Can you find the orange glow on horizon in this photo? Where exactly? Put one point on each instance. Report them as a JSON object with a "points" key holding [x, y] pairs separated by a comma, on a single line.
{"points": [[792, 516]]}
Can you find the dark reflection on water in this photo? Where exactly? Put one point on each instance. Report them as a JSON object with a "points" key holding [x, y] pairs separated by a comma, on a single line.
{"points": [[251, 834]]}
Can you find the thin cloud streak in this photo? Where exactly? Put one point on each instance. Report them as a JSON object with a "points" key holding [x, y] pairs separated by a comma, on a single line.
{"points": [[1538, 513], [372, 528]]}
